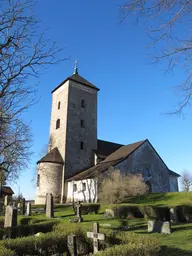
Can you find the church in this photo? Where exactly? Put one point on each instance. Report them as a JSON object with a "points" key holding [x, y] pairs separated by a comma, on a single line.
{"points": [[76, 157]]}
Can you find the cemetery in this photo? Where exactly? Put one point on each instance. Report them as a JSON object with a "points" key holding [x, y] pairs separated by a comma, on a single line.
{"points": [[159, 224]]}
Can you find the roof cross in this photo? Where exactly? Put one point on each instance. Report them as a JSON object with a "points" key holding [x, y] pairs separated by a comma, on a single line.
{"points": [[76, 68]]}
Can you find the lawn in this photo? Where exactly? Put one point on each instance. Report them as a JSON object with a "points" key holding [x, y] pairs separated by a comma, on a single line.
{"points": [[179, 242]]}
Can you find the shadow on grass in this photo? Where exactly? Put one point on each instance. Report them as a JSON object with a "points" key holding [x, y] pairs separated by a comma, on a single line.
{"points": [[167, 251], [178, 228]]}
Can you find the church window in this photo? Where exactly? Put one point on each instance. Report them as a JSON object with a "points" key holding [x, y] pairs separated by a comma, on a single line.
{"points": [[84, 186], [83, 103], [81, 145], [58, 124], [74, 187], [59, 105], [148, 172], [82, 124], [38, 180]]}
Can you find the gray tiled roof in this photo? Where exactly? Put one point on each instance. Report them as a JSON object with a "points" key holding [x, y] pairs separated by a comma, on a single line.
{"points": [[52, 157]]}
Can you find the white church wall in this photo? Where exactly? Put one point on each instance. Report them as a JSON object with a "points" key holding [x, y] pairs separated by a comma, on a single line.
{"points": [[82, 190], [173, 183], [144, 160]]}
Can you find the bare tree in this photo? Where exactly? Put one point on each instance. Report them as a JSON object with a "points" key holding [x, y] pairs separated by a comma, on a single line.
{"points": [[186, 180], [168, 24], [23, 54], [114, 187]]}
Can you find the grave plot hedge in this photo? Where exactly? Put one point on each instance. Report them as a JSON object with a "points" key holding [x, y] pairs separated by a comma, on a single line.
{"points": [[90, 208], [184, 213], [136, 211], [27, 230]]}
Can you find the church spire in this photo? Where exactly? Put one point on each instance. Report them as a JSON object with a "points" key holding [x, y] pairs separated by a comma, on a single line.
{"points": [[76, 68]]}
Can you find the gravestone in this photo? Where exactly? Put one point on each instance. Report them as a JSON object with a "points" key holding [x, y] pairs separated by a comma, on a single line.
{"points": [[78, 207], [10, 217], [23, 206], [159, 226], [49, 206], [6, 201], [72, 245], [28, 209], [173, 215], [96, 236], [19, 207]]}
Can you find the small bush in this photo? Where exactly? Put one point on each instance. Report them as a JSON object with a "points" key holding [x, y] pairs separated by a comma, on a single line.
{"points": [[90, 208], [156, 213], [6, 252], [184, 213], [127, 211]]}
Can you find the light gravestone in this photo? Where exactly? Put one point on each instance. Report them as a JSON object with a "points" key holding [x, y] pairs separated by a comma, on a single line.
{"points": [[49, 206], [96, 236], [72, 245], [23, 206], [159, 227], [6, 201], [173, 215], [10, 217], [28, 209], [78, 207]]}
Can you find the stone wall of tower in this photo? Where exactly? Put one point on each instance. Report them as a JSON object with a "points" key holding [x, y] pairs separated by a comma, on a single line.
{"points": [[77, 159], [49, 181], [58, 136], [70, 134]]}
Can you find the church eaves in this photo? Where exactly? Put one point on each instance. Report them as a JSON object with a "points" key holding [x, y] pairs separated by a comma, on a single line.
{"points": [[79, 79], [52, 157]]}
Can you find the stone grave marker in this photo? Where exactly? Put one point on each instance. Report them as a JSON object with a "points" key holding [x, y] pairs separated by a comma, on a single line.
{"points": [[28, 209], [6, 201], [10, 216], [49, 206], [23, 206], [96, 236], [173, 215], [72, 245], [159, 226], [78, 207]]}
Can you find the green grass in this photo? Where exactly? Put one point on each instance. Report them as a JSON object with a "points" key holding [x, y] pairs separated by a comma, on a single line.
{"points": [[163, 199]]}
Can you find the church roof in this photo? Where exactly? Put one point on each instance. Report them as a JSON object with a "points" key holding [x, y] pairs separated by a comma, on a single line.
{"points": [[53, 156], [111, 160], [173, 173], [79, 79], [105, 148]]}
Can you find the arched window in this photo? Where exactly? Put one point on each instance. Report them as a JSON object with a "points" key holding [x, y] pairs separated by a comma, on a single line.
{"points": [[58, 124], [81, 145], [38, 180], [59, 105], [82, 123]]}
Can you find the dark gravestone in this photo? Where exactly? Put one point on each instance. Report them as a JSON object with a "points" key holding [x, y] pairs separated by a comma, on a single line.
{"points": [[23, 206], [96, 236], [10, 217], [72, 245], [78, 207], [49, 206]]}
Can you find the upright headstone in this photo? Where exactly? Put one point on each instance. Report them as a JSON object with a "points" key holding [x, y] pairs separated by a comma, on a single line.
{"points": [[78, 207], [23, 206], [28, 209], [72, 245], [173, 215], [10, 217], [6, 201], [96, 236], [49, 206], [159, 226]]}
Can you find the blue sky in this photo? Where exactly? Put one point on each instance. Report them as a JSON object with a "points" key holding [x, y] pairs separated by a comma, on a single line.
{"points": [[134, 95]]}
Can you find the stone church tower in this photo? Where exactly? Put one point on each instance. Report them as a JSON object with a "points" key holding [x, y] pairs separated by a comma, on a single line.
{"points": [[73, 136]]}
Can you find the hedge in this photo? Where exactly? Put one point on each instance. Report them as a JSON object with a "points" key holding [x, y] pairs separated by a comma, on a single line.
{"points": [[138, 211], [27, 230], [184, 213], [90, 208]]}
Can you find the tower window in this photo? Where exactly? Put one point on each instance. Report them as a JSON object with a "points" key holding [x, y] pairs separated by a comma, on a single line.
{"points": [[38, 180], [81, 145], [82, 124], [83, 103], [148, 172], [58, 124], [59, 105]]}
